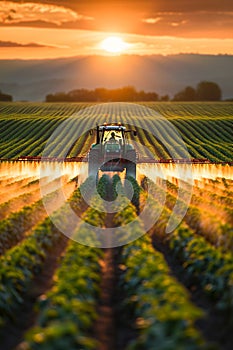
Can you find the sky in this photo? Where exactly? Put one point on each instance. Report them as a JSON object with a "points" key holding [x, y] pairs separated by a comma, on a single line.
{"points": [[63, 28]]}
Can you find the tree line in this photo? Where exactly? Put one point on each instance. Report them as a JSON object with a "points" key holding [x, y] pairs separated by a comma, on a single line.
{"points": [[124, 94], [205, 91], [5, 97]]}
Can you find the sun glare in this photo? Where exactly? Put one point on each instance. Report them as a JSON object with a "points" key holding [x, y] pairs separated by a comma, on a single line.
{"points": [[114, 45]]}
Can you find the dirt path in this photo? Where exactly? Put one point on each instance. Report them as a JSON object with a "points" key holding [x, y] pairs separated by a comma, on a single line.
{"points": [[105, 329], [111, 330]]}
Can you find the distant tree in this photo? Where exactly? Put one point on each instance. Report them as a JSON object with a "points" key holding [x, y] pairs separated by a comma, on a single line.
{"points": [[208, 91], [5, 97], [58, 97], [165, 98], [124, 94], [188, 94], [150, 96], [49, 98], [101, 94], [81, 95]]}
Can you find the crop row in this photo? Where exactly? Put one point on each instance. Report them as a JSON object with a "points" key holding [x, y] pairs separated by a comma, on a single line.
{"points": [[68, 311], [17, 203], [193, 110], [156, 303], [206, 264], [183, 110], [204, 137], [14, 228], [19, 224], [20, 264], [211, 266], [40, 110], [215, 227]]}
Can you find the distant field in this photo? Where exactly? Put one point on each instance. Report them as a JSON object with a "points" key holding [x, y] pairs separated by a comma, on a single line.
{"points": [[206, 128]]}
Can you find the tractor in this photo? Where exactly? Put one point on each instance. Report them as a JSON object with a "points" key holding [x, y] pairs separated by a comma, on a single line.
{"points": [[112, 151]]}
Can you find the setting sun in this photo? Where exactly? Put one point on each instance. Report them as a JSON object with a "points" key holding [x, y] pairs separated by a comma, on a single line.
{"points": [[114, 44]]}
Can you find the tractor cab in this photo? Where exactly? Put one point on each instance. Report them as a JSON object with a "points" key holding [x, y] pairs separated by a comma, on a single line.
{"points": [[112, 150], [112, 134]]}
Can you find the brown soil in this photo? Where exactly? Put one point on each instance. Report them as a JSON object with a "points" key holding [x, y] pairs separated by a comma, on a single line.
{"points": [[105, 331], [112, 331]]}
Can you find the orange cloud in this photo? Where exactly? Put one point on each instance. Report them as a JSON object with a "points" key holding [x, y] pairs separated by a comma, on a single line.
{"points": [[151, 20], [197, 24], [180, 18], [15, 13], [14, 44]]}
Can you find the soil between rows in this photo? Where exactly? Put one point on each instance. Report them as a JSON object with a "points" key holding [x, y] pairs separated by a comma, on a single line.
{"points": [[105, 328], [111, 330]]}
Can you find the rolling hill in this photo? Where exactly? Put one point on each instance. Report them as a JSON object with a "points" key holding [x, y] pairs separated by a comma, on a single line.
{"points": [[33, 79]]}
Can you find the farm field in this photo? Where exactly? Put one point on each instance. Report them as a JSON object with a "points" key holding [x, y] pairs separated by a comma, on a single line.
{"points": [[157, 286], [165, 290], [206, 128]]}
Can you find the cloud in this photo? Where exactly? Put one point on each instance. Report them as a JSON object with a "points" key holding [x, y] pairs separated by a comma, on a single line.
{"points": [[159, 5], [180, 18], [14, 13], [151, 20], [28, 45], [218, 24]]}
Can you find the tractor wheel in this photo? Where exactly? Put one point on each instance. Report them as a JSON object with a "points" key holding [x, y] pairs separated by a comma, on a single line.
{"points": [[131, 163], [93, 162]]}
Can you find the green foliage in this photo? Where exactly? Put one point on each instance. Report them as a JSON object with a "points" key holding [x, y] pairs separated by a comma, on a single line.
{"points": [[13, 228], [82, 194], [117, 188], [205, 91], [210, 266], [208, 91], [188, 94], [154, 301], [18, 266], [22, 262], [104, 187], [205, 127], [136, 190], [67, 312], [164, 317]]}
